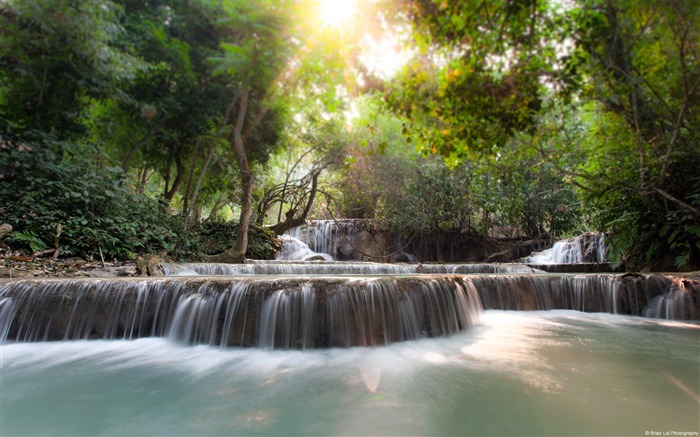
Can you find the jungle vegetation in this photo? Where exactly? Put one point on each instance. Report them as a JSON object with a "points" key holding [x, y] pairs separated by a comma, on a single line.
{"points": [[141, 126]]}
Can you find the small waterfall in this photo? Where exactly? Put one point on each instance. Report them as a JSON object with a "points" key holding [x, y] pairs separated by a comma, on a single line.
{"points": [[295, 249], [601, 250], [378, 314], [322, 235], [287, 320], [582, 249], [254, 311], [652, 295], [477, 268], [676, 304], [563, 252], [597, 293], [209, 269], [75, 309]]}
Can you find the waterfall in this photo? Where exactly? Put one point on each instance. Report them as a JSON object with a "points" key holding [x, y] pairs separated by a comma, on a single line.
{"points": [[295, 249], [279, 327], [601, 250], [322, 235], [597, 293], [676, 304], [297, 311], [652, 295], [440, 307], [279, 313], [351, 240], [475, 268], [580, 249]]}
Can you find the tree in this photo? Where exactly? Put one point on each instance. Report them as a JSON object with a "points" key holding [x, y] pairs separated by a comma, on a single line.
{"points": [[313, 146], [478, 76], [643, 59], [253, 59], [54, 58], [170, 123]]}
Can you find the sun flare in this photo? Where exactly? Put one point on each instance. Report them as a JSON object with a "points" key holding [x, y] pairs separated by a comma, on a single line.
{"points": [[386, 56], [335, 13]]}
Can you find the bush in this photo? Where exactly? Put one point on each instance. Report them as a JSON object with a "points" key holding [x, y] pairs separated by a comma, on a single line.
{"points": [[211, 238], [72, 204], [90, 212]]}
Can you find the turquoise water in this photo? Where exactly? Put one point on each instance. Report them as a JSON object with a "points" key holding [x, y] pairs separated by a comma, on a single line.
{"points": [[519, 373]]}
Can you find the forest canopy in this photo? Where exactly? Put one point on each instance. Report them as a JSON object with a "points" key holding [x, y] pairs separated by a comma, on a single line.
{"points": [[140, 126]]}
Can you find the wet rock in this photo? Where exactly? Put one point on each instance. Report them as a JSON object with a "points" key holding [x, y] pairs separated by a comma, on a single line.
{"points": [[127, 271], [150, 265], [316, 257]]}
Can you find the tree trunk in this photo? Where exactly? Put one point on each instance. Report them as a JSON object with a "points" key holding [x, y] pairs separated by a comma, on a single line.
{"points": [[145, 139], [217, 206], [127, 157], [198, 187], [179, 169], [237, 253], [143, 179], [188, 188]]}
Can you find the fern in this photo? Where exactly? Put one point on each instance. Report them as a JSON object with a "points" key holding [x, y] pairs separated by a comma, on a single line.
{"points": [[31, 239], [621, 245], [625, 235], [682, 260]]}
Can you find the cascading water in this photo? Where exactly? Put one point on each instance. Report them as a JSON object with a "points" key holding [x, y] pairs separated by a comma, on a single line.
{"points": [[321, 235], [264, 312], [580, 249], [507, 286], [676, 304], [295, 311], [295, 249]]}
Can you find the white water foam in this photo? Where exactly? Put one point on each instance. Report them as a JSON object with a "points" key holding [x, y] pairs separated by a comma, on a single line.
{"points": [[570, 251], [295, 249]]}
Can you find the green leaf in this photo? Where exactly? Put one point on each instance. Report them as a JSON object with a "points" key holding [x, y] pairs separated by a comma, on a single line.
{"points": [[681, 260], [694, 229], [673, 235], [233, 48]]}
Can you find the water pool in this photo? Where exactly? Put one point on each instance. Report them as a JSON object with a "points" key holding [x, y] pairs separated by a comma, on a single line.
{"points": [[518, 373]]}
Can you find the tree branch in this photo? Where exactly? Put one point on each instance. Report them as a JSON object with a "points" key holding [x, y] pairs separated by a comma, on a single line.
{"points": [[677, 201]]}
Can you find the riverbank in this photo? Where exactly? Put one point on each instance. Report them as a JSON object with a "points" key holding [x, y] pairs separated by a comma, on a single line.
{"points": [[15, 265]]}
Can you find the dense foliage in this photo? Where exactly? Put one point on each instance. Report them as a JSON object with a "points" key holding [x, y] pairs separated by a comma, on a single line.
{"points": [[133, 126], [580, 114], [647, 62], [70, 206], [113, 125]]}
